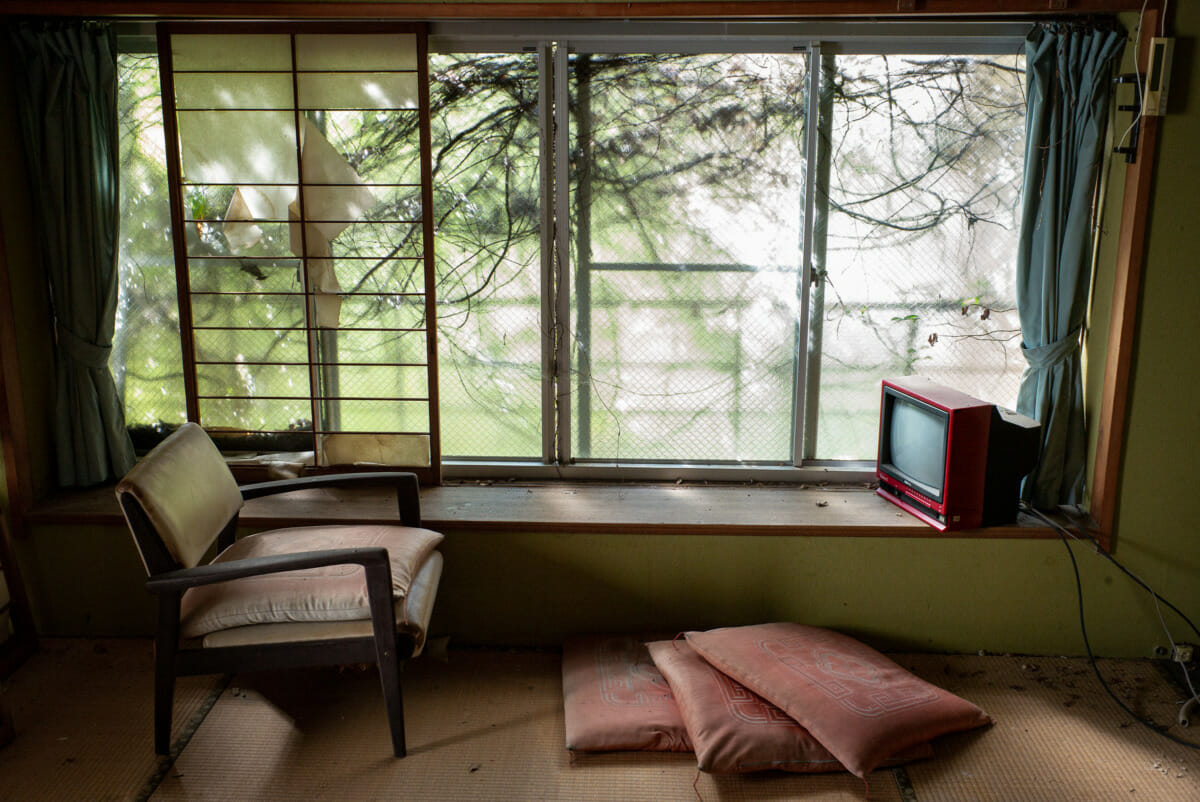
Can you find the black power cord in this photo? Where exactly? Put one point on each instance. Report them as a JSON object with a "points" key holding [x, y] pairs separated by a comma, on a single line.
{"points": [[1063, 533]]}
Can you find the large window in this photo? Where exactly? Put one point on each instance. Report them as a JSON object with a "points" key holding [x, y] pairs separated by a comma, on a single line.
{"points": [[698, 252]]}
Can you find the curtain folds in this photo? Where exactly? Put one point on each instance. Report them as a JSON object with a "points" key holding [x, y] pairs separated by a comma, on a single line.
{"points": [[67, 102], [1068, 78]]}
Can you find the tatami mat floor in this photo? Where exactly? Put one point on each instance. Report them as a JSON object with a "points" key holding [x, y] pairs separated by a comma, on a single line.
{"points": [[488, 726]]}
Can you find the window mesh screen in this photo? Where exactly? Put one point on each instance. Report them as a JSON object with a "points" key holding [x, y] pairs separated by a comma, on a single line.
{"points": [[146, 361], [926, 161], [687, 200], [487, 206]]}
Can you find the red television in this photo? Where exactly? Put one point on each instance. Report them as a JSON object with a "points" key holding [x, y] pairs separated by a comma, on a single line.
{"points": [[950, 459]]}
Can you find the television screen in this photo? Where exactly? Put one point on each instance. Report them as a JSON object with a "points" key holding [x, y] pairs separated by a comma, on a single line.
{"points": [[917, 445]]}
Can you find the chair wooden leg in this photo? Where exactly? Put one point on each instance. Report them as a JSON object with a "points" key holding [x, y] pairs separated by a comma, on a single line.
{"points": [[383, 622], [393, 697], [166, 643], [164, 704]]}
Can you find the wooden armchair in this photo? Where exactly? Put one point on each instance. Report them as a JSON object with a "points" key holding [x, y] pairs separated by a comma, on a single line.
{"points": [[302, 596]]}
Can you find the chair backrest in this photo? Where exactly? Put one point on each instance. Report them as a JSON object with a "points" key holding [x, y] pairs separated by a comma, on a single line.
{"points": [[187, 494]]}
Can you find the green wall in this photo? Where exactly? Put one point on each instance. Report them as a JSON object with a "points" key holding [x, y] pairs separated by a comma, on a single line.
{"points": [[922, 594], [1159, 506], [534, 589]]}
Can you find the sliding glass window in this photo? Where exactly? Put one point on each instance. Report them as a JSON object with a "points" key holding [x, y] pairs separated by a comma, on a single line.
{"points": [[689, 252]]}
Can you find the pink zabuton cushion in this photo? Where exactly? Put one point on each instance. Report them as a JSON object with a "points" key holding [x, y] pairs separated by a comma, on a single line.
{"points": [[860, 705], [614, 699], [734, 730]]}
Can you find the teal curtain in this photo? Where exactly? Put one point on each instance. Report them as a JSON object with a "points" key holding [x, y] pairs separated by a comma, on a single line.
{"points": [[67, 102], [1068, 76]]}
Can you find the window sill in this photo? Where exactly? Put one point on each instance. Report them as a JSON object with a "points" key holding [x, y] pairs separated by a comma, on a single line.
{"points": [[582, 508]]}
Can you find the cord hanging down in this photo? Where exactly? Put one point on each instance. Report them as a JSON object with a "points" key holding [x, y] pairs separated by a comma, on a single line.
{"points": [[1193, 702]]}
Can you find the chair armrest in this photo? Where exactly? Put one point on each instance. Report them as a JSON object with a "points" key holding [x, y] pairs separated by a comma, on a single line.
{"points": [[372, 558], [408, 497]]}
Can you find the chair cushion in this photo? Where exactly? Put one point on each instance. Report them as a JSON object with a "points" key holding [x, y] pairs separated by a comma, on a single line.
{"points": [[614, 699], [331, 593], [187, 491], [734, 730], [860, 705], [412, 617]]}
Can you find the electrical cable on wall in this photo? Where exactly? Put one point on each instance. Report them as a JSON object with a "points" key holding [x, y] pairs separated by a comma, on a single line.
{"points": [[1137, 41], [1064, 533]]}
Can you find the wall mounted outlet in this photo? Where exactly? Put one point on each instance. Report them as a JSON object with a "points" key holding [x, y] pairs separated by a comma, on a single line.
{"points": [[1158, 77], [1183, 652]]}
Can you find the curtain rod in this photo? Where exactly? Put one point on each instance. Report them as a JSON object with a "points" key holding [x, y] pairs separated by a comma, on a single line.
{"points": [[601, 9]]}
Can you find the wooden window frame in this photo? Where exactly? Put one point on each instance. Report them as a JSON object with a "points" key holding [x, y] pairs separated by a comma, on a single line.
{"points": [[429, 474]]}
